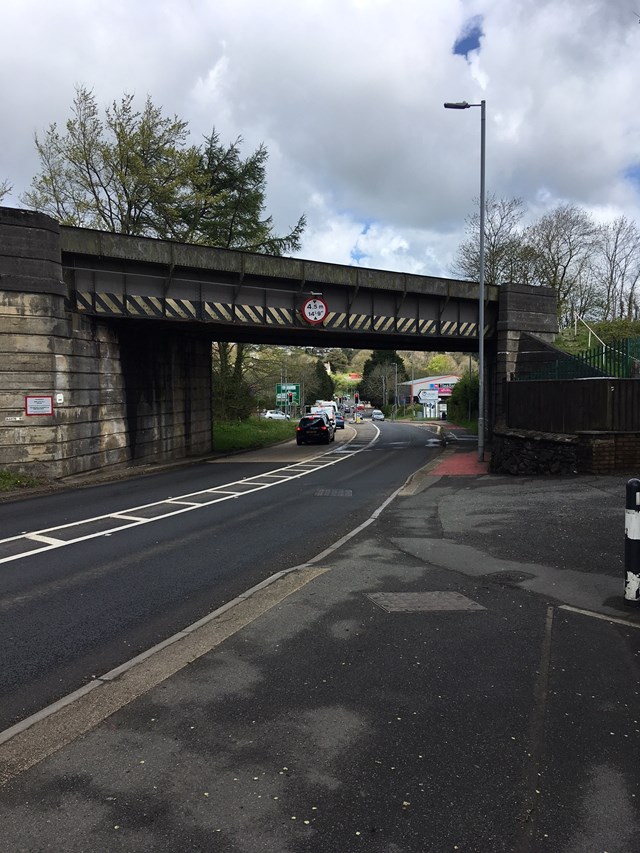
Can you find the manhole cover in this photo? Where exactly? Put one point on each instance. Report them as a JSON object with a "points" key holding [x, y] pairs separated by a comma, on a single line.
{"points": [[420, 602]]}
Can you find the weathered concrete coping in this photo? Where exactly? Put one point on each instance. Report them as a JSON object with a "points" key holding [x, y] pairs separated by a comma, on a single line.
{"points": [[102, 244]]}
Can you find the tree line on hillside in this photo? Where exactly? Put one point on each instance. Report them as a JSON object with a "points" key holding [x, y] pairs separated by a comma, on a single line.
{"points": [[593, 268]]}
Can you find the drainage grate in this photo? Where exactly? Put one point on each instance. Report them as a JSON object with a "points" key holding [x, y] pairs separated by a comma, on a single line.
{"points": [[419, 602], [333, 493]]}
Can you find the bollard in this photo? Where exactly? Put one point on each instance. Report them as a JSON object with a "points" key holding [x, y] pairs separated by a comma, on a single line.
{"points": [[632, 544]]}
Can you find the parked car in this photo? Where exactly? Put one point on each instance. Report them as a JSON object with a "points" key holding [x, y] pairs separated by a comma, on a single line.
{"points": [[377, 415], [339, 421], [276, 415], [314, 429]]}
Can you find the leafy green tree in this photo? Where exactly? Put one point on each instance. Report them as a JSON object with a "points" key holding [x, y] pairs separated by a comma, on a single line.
{"points": [[321, 385], [441, 364], [379, 376], [463, 403], [134, 172], [339, 360], [232, 394]]}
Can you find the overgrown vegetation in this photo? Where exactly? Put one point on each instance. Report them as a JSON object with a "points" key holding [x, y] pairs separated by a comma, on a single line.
{"points": [[577, 338]]}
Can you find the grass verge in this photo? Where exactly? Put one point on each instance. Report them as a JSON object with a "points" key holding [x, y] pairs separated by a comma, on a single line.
{"points": [[10, 482], [251, 435]]}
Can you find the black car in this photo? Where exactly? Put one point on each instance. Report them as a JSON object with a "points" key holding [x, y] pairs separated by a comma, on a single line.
{"points": [[314, 429]]}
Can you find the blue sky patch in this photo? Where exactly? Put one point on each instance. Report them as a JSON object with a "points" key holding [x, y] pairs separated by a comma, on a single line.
{"points": [[469, 38], [632, 173], [357, 254]]}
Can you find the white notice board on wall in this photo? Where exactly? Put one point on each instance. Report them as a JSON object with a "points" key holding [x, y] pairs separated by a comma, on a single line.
{"points": [[38, 405]]}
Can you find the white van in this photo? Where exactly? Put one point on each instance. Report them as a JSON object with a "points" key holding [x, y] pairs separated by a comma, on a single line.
{"points": [[329, 407]]}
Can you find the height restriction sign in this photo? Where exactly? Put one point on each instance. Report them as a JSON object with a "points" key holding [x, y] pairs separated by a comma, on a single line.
{"points": [[315, 310]]}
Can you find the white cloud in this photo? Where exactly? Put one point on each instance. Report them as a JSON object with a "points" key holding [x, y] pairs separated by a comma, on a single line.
{"points": [[347, 95]]}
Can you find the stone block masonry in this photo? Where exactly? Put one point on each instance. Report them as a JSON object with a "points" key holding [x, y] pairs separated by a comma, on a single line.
{"points": [[121, 394]]}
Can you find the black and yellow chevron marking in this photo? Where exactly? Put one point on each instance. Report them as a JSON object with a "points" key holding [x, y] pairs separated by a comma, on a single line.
{"points": [[218, 312], [407, 325], [360, 323], [249, 314], [84, 301], [426, 327], [144, 306], [181, 309], [100, 303], [109, 304], [448, 327], [336, 320], [278, 316], [384, 324]]}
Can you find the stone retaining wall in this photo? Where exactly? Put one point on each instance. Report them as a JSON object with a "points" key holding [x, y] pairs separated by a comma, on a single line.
{"points": [[524, 452]]}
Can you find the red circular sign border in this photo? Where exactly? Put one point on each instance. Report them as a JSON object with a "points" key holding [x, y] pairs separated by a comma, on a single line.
{"points": [[315, 299]]}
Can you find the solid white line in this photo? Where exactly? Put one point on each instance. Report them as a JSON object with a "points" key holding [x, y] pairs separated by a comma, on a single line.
{"points": [[601, 616]]}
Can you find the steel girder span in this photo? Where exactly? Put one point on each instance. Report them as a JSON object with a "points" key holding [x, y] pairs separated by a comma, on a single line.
{"points": [[259, 298]]}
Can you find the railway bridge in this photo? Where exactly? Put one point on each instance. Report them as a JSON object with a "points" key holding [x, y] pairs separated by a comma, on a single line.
{"points": [[105, 339]]}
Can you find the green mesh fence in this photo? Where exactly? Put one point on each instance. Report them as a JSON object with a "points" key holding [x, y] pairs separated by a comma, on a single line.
{"points": [[619, 358]]}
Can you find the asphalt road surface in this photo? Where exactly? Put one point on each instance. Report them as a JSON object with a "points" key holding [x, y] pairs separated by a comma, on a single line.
{"points": [[92, 577]]}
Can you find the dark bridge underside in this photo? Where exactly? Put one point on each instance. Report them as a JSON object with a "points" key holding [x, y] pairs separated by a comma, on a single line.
{"points": [[234, 296]]}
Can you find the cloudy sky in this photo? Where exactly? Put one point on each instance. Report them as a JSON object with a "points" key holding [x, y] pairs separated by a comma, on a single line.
{"points": [[348, 97]]}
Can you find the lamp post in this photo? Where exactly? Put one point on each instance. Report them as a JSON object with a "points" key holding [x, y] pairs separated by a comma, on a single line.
{"points": [[463, 105], [395, 399]]}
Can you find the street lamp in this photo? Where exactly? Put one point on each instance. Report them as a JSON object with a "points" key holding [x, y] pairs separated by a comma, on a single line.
{"points": [[463, 105]]}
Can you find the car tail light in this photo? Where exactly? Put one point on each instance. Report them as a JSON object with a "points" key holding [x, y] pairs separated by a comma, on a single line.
{"points": [[298, 429], [324, 427]]}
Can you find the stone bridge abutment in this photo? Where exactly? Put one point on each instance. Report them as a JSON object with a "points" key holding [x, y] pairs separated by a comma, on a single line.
{"points": [[122, 393]]}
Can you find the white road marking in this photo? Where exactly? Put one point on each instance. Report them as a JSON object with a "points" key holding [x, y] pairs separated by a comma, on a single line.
{"points": [[626, 622], [174, 505]]}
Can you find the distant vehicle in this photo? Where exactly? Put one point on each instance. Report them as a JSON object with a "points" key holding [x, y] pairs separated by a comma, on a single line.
{"points": [[339, 421], [276, 415], [314, 429], [377, 415], [328, 407]]}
